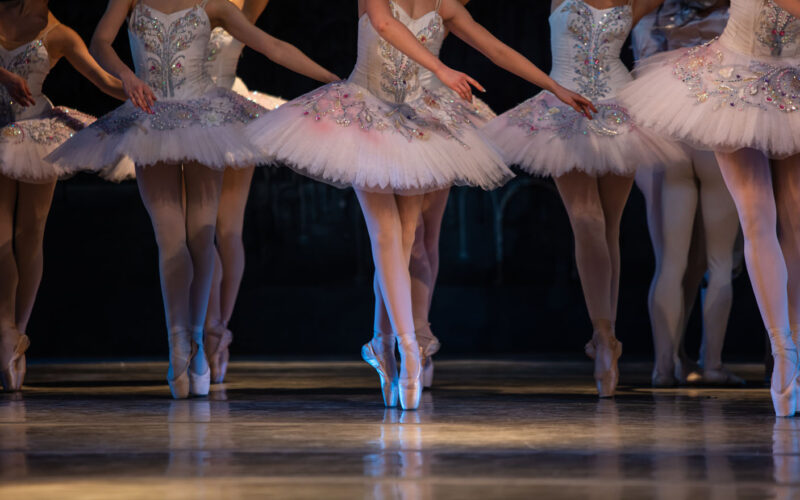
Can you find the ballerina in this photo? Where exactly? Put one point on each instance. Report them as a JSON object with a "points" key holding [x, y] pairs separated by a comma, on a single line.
{"points": [[182, 131], [592, 163], [692, 219], [738, 96], [424, 268], [224, 53], [32, 40], [384, 134]]}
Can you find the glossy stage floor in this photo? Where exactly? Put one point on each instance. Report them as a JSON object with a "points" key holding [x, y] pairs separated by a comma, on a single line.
{"points": [[317, 430]]}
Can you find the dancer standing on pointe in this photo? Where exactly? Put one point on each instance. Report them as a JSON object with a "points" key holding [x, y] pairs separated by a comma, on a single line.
{"points": [[392, 140], [224, 53], [424, 268], [739, 97], [592, 162], [31, 42], [692, 221], [182, 132]]}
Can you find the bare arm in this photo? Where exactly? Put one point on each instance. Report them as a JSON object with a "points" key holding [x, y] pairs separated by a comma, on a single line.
{"points": [[278, 51], [137, 91], [791, 6], [63, 41], [252, 9], [396, 33], [17, 88], [461, 24]]}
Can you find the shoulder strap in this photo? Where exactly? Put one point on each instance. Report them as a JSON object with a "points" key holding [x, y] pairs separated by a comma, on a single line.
{"points": [[203, 3], [48, 29]]}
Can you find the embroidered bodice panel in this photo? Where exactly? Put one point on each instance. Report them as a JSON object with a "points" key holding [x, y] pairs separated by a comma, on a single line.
{"points": [[32, 62], [170, 50], [761, 28], [386, 71], [586, 44]]}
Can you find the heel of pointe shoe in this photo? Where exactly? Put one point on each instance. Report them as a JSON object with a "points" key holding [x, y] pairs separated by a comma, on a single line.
{"points": [[784, 400], [13, 375], [216, 342], [427, 373], [180, 384], [389, 386]]}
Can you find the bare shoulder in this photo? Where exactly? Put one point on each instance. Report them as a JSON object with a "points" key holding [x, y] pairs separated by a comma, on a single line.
{"points": [[554, 4]]}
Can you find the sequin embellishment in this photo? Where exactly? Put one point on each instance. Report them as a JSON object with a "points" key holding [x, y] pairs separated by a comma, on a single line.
{"points": [[164, 71], [346, 105], [58, 125], [593, 49], [546, 113], [758, 84], [214, 110], [777, 29]]}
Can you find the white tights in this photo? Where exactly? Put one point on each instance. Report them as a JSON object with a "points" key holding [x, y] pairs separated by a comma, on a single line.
{"points": [[696, 186]]}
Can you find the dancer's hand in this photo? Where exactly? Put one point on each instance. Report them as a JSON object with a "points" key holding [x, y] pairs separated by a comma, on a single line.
{"points": [[140, 94], [17, 88], [576, 101], [459, 82]]}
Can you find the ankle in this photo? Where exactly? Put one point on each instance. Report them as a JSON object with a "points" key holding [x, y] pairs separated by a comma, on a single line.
{"points": [[780, 340]]}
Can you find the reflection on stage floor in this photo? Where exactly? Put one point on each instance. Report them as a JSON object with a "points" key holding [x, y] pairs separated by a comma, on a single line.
{"points": [[318, 430]]}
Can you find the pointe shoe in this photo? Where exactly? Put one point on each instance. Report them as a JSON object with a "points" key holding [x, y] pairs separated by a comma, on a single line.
{"points": [[427, 373], [179, 362], [721, 377], [13, 373], [386, 366], [660, 380], [784, 380], [199, 383], [216, 342], [410, 387], [428, 346], [606, 369]]}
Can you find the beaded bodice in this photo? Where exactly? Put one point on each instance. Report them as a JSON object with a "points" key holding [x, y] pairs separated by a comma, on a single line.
{"points": [[761, 28], [586, 44], [223, 57], [169, 50], [32, 62], [386, 71]]}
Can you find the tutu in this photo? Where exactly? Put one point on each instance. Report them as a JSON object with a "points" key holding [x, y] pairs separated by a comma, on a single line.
{"points": [[206, 130], [192, 120], [24, 143], [343, 135], [266, 101], [544, 136], [740, 91], [382, 130]]}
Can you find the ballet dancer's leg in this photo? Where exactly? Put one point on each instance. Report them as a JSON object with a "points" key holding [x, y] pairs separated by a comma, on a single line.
{"points": [[228, 268], [748, 175], [786, 175], [679, 205], [391, 222], [33, 207], [584, 200], [721, 227]]}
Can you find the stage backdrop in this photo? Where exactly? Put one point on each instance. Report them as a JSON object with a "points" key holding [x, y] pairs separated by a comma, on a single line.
{"points": [[508, 282]]}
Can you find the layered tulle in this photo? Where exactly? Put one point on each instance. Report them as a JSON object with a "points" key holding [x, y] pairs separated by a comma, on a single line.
{"points": [[343, 135], [715, 98], [544, 136], [207, 129], [25, 143]]}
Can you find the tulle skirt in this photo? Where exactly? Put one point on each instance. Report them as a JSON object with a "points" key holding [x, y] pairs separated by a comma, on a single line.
{"points": [[343, 135], [544, 136], [25, 143], [207, 129], [718, 99]]}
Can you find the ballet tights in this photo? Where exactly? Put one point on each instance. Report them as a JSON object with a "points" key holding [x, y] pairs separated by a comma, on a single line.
{"points": [[767, 197], [687, 188], [229, 258], [185, 236], [391, 222], [23, 213], [594, 206], [424, 268]]}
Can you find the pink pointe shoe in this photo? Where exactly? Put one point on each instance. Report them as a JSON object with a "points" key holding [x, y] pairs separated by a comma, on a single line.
{"points": [[13, 371], [384, 362], [784, 383], [606, 353], [216, 342]]}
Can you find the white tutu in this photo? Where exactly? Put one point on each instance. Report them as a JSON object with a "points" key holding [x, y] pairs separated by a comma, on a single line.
{"points": [[546, 137], [718, 99], [206, 129], [344, 135], [25, 143]]}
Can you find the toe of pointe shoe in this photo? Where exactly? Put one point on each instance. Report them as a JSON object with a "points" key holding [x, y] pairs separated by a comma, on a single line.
{"points": [[410, 396], [200, 384]]}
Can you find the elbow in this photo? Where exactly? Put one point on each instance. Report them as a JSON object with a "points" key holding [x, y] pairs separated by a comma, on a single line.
{"points": [[381, 26], [94, 47]]}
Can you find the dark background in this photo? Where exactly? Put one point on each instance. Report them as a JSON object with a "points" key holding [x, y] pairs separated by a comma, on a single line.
{"points": [[508, 283]]}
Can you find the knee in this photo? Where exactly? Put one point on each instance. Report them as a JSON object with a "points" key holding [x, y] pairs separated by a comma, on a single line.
{"points": [[588, 224], [202, 234], [228, 238], [170, 241], [31, 231]]}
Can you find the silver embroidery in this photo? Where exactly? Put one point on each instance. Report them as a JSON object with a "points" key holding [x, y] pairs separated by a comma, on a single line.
{"points": [[536, 115], [777, 29]]}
